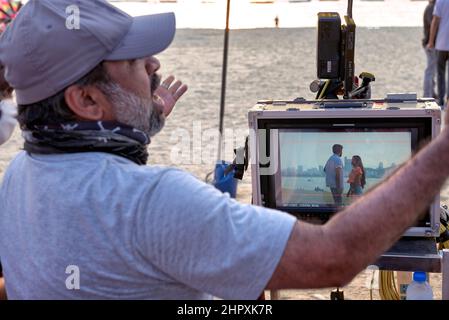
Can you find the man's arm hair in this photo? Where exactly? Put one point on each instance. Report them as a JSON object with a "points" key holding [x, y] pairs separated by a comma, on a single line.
{"points": [[433, 31], [333, 254]]}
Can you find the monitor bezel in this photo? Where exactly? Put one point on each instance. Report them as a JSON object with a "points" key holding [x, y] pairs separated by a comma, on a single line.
{"points": [[423, 127]]}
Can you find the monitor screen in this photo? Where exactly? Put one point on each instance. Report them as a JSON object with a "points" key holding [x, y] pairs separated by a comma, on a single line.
{"points": [[313, 168], [328, 168]]}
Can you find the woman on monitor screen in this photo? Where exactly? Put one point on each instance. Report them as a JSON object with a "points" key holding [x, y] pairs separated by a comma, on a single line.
{"points": [[356, 178]]}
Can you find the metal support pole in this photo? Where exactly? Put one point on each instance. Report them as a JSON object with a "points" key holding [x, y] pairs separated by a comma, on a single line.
{"points": [[223, 80], [350, 8], [445, 274]]}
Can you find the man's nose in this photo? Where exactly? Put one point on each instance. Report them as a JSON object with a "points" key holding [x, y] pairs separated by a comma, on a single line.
{"points": [[152, 65]]}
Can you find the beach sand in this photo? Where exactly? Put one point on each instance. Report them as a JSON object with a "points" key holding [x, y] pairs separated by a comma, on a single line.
{"points": [[264, 64]]}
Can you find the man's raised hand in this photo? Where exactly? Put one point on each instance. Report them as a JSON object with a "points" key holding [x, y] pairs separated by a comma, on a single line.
{"points": [[169, 93]]}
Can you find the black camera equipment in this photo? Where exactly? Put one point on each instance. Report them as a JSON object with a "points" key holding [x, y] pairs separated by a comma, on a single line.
{"points": [[240, 163], [335, 59]]}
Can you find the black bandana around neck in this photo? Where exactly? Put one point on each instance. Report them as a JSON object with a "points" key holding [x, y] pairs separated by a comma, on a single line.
{"points": [[74, 137]]}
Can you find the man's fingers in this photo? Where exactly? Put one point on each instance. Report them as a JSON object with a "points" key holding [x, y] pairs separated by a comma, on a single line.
{"points": [[175, 87], [167, 82], [171, 92], [178, 94]]}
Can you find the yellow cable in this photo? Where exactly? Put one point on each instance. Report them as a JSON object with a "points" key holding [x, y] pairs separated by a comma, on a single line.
{"points": [[372, 285], [324, 90], [443, 245], [387, 286]]}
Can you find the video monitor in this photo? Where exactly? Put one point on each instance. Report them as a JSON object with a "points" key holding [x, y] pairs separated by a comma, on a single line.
{"points": [[320, 166]]}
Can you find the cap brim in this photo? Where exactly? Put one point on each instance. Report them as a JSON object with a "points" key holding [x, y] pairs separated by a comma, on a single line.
{"points": [[148, 35]]}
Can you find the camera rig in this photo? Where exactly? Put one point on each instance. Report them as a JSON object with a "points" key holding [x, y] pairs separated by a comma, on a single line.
{"points": [[335, 72], [335, 59]]}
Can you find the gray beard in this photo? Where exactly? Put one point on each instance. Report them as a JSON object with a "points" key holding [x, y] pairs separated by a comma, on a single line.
{"points": [[133, 110]]}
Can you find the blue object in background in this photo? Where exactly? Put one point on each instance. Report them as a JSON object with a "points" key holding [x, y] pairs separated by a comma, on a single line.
{"points": [[225, 183]]}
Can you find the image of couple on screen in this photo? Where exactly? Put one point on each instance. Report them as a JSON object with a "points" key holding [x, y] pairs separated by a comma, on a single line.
{"points": [[334, 170]]}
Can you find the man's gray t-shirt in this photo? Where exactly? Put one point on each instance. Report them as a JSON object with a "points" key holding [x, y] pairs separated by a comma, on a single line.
{"points": [[134, 232], [332, 164], [442, 11]]}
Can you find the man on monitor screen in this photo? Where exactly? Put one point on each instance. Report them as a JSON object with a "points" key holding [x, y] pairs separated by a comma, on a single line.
{"points": [[334, 174]]}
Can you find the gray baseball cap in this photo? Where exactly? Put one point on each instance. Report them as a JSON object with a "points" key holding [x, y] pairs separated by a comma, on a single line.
{"points": [[44, 51]]}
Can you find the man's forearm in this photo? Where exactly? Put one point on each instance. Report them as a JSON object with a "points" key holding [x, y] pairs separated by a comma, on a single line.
{"points": [[333, 254], [373, 223]]}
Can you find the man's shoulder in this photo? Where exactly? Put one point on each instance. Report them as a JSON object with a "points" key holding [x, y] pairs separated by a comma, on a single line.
{"points": [[335, 158], [127, 173], [441, 9], [16, 161], [93, 174], [117, 170]]}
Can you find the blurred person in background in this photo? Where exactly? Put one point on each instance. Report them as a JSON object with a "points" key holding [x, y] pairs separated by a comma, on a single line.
{"points": [[431, 55], [439, 39]]}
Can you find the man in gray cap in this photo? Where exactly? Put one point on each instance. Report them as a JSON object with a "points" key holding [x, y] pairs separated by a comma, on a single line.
{"points": [[81, 218]]}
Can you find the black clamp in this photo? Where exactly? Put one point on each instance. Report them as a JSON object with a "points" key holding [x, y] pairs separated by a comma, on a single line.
{"points": [[241, 160]]}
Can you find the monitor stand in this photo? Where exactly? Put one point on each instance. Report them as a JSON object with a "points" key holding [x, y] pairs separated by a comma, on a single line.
{"points": [[411, 254]]}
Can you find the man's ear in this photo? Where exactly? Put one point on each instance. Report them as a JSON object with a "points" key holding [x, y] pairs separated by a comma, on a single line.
{"points": [[88, 103]]}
